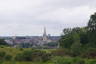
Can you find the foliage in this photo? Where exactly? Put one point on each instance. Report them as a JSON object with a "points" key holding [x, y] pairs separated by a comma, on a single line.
{"points": [[24, 56], [90, 53], [2, 42], [68, 60], [25, 45], [33, 55], [92, 62], [76, 39], [92, 30], [61, 52], [78, 61], [2, 55], [61, 60], [52, 44], [8, 57]]}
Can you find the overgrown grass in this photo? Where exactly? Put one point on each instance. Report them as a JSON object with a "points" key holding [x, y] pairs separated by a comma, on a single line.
{"points": [[14, 51], [55, 59], [13, 62]]}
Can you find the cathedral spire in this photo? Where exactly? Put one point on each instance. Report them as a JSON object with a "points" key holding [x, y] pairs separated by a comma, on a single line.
{"points": [[44, 35], [44, 31]]}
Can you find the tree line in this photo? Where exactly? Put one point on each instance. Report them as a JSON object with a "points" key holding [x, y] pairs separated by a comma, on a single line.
{"points": [[80, 39]]}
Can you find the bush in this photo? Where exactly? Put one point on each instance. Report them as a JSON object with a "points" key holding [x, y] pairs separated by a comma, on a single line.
{"points": [[46, 57], [78, 61], [2, 42], [2, 55], [19, 57], [8, 57], [92, 62], [90, 53], [33, 55], [24, 56], [38, 55], [68, 60], [61, 60], [21, 49], [60, 52]]}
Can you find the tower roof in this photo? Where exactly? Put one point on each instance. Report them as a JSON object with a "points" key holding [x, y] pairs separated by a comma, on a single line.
{"points": [[44, 34], [44, 31]]}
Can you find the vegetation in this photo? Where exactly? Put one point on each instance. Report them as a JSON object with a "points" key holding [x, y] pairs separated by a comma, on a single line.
{"points": [[46, 56], [2, 42], [81, 41]]}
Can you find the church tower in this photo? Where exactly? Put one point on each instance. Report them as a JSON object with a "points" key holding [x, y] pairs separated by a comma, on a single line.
{"points": [[44, 35]]}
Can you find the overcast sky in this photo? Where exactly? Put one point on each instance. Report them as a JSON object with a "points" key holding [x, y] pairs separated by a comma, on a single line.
{"points": [[28, 17]]}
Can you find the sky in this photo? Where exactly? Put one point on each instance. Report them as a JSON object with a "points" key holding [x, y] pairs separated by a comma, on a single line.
{"points": [[29, 17]]}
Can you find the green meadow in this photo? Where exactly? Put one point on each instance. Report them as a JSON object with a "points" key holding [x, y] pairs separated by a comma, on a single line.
{"points": [[54, 59]]}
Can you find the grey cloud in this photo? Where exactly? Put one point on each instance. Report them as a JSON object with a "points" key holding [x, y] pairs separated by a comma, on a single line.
{"points": [[28, 17]]}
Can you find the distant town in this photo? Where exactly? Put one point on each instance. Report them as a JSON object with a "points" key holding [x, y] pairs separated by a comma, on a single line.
{"points": [[44, 41]]}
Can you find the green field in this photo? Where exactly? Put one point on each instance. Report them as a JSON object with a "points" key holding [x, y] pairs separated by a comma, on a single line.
{"points": [[24, 63], [14, 51], [65, 61], [54, 59]]}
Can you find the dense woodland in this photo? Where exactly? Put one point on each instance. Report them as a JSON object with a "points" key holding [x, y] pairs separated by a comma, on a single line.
{"points": [[77, 46], [81, 40]]}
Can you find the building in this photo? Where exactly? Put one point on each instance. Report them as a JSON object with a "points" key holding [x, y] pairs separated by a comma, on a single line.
{"points": [[45, 35], [35, 41]]}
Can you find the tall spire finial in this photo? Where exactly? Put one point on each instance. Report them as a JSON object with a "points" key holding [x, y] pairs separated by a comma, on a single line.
{"points": [[44, 31], [44, 35]]}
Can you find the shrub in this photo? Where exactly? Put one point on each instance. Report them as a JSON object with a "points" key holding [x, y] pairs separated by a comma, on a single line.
{"points": [[2, 55], [78, 61], [19, 57], [38, 55], [46, 57], [61, 60], [92, 62], [2, 42], [33, 55], [24, 56], [8, 57], [21, 49], [90, 53], [60, 52]]}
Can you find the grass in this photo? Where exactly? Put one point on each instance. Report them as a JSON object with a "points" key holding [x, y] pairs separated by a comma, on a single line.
{"points": [[13, 62], [10, 62], [14, 51]]}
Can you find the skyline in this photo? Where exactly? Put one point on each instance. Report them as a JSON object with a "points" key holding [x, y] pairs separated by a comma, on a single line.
{"points": [[28, 17]]}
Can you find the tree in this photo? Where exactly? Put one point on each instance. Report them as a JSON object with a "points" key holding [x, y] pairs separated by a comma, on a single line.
{"points": [[92, 23], [24, 56], [2, 42], [2, 55], [67, 31], [76, 46], [69, 37], [25, 45], [66, 38], [78, 39], [92, 30]]}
